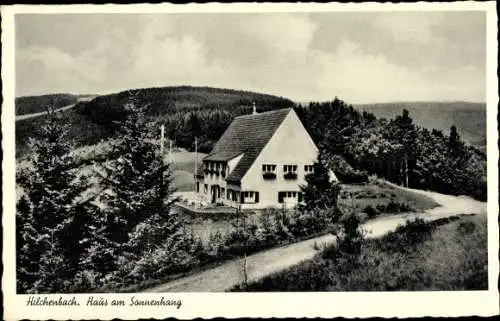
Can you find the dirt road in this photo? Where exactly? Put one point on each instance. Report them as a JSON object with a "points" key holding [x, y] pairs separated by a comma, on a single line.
{"points": [[34, 115], [264, 263]]}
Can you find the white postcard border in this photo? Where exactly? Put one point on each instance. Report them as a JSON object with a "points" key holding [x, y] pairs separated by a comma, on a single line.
{"points": [[208, 305]]}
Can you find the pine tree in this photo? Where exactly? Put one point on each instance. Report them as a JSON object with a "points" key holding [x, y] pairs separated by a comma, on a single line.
{"points": [[455, 145], [404, 132], [137, 218], [49, 214], [320, 192]]}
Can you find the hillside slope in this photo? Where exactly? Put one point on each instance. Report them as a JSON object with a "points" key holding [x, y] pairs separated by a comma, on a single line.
{"points": [[469, 118], [92, 121]]}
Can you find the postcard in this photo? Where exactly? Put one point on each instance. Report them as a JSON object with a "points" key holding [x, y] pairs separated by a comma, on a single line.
{"points": [[250, 160]]}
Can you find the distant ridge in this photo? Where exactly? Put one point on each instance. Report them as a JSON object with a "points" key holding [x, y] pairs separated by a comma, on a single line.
{"points": [[468, 117]]}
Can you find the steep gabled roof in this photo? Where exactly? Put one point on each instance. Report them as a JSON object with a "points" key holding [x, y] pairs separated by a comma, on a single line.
{"points": [[247, 135]]}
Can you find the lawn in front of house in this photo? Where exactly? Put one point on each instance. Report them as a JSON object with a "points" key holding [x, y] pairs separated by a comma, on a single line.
{"points": [[446, 255]]}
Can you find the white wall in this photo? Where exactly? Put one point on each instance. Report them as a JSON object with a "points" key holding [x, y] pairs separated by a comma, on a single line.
{"points": [[290, 145]]}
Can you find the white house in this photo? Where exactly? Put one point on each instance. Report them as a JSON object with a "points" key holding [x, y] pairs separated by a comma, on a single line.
{"points": [[260, 161]]}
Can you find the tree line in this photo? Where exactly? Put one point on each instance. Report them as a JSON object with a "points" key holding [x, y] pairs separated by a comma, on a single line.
{"points": [[396, 149]]}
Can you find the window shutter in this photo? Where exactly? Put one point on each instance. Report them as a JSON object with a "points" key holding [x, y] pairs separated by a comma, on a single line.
{"points": [[256, 197], [300, 196], [280, 197]]}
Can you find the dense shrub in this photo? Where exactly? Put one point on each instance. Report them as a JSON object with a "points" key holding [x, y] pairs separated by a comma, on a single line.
{"points": [[344, 171], [354, 177], [394, 207], [370, 211], [466, 227]]}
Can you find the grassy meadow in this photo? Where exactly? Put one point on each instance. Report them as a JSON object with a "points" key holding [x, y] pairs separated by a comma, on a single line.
{"points": [[445, 255]]}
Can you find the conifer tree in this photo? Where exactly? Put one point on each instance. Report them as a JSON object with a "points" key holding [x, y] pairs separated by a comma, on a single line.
{"points": [[49, 215], [320, 192], [404, 132], [455, 145], [137, 218]]}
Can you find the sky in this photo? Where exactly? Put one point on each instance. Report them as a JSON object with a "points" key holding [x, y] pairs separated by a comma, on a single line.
{"points": [[359, 57]]}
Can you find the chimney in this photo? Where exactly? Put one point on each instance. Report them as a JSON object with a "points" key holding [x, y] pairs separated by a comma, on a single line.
{"points": [[254, 109]]}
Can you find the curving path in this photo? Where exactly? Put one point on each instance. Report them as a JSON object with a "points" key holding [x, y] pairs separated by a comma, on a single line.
{"points": [[227, 275]]}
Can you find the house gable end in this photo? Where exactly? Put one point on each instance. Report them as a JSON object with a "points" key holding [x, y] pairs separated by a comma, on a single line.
{"points": [[291, 144]]}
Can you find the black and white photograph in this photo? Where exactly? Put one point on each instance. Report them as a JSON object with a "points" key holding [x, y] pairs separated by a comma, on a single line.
{"points": [[251, 151]]}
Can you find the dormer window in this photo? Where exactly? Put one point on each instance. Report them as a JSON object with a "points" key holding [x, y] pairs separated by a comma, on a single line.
{"points": [[269, 171], [289, 171]]}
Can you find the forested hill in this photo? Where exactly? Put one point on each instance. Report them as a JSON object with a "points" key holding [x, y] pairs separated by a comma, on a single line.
{"points": [[469, 118], [168, 100]]}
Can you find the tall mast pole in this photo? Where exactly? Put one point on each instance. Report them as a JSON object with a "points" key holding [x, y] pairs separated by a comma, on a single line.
{"points": [[170, 154], [195, 168], [162, 140]]}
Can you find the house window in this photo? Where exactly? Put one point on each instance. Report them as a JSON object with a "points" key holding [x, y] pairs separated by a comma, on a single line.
{"points": [[269, 171], [250, 197], [289, 196], [290, 171], [197, 187], [268, 168], [308, 169], [223, 192], [205, 188]]}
